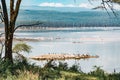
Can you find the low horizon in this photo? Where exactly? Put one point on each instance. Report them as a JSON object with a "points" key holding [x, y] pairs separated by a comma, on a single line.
{"points": [[60, 9]]}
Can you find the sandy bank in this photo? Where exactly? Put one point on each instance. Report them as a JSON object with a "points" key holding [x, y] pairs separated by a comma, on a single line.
{"points": [[63, 56]]}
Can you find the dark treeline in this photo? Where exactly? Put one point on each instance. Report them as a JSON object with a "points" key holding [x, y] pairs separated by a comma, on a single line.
{"points": [[63, 24], [68, 19]]}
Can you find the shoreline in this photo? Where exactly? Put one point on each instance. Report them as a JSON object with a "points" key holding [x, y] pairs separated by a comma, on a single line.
{"points": [[74, 41], [34, 28]]}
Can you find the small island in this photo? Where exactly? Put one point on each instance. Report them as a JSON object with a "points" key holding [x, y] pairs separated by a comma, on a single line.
{"points": [[63, 56]]}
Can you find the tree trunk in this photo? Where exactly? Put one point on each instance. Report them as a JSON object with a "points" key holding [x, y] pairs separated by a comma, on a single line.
{"points": [[10, 25], [9, 42], [8, 35], [8, 48]]}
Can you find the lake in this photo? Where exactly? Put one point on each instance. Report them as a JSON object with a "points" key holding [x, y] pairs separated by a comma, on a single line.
{"points": [[101, 41]]}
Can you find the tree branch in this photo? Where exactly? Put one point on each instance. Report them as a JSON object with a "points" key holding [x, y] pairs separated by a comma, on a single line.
{"points": [[2, 45], [26, 26], [11, 9], [111, 7], [17, 9], [12, 5], [1, 15], [103, 3], [106, 5], [5, 17]]}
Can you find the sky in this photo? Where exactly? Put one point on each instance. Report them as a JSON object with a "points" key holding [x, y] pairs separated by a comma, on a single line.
{"points": [[84, 4], [58, 3], [65, 2]]}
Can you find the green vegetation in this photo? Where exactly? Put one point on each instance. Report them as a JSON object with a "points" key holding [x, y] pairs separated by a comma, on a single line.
{"points": [[22, 70], [21, 47]]}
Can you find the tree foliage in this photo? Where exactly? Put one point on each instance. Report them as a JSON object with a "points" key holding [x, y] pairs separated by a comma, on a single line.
{"points": [[21, 47]]}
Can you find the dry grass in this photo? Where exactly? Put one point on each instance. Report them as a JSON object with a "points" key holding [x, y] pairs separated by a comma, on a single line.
{"points": [[26, 75], [22, 76]]}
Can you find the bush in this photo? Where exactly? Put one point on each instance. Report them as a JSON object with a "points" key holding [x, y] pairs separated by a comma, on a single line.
{"points": [[63, 66], [74, 68], [7, 68]]}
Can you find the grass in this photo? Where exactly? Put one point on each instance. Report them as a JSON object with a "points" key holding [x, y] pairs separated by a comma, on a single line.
{"points": [[76, 76], [26, 75], [22, 76], [22, 70]]}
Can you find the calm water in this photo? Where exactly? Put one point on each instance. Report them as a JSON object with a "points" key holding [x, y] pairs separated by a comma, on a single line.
{"points": [[104, 42]]}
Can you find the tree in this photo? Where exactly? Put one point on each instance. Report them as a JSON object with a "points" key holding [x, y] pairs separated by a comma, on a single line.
{"points": [[21, 47], [9, 24]]}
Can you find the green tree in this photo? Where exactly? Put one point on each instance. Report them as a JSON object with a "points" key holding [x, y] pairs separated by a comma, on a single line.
{"points": [[21, 47], [98, 72]]}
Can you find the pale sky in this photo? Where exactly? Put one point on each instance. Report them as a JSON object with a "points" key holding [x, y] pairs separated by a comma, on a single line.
{"points": [[63, 3], [58, 3]]}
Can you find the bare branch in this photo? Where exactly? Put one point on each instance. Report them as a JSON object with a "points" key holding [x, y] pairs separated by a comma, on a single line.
{"points": [[103, 3], [11, 9], [1, 15], [26, 26], [12, 5], [106, 5], [112, 9], [1, 34], [17, 9], [1, 51], [2, 45], [99, 7], [5, 17]]}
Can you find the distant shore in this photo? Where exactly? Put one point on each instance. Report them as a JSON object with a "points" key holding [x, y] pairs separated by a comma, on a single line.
{"points": [[34, 28], [69, 29], [37, 39]]}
